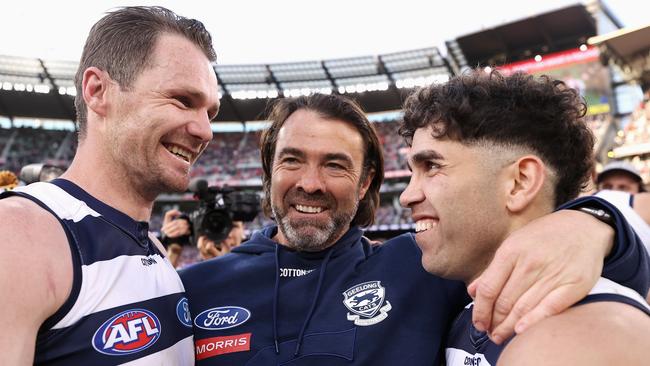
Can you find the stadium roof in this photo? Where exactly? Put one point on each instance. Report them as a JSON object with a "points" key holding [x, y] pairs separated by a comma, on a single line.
{"points": [[629, 48], [515, 41], [45, 89]]}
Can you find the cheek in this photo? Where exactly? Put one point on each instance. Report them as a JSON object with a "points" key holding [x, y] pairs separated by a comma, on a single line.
{"points": [[280, 184]]}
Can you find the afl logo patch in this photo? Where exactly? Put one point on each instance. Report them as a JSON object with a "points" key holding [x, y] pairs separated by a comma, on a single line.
{"points": [[366, 302], [183, 312], [128, 332], [222, 318]]}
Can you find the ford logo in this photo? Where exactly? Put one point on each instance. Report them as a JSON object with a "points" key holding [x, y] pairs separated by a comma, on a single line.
{"points": [[222, 318]]}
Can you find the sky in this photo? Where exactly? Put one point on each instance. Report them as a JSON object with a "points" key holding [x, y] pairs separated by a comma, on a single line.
{"points": [[266, 31]]}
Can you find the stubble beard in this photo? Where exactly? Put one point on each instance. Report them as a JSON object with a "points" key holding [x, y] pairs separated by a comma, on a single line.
{"points": [[321, 236]]}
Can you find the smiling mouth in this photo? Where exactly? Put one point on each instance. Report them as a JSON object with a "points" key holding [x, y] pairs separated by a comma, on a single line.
{"points": [[425, 224], [308, 209], [179, 152]]}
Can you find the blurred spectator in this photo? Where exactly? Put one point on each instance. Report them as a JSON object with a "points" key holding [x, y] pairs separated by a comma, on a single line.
{"points": [[176, 233], [8, 180], [620, 176]]}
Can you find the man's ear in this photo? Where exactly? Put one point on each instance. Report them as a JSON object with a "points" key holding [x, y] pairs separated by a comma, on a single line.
{"points": [[527, 176], [366, 183], [94, 87]]}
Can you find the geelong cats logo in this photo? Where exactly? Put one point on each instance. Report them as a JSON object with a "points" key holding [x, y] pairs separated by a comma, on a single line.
{"points": [[367, 303]]}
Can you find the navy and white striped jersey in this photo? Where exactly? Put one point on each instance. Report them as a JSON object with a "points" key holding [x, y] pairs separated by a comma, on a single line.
{"points": [[127, 304], [468, 346]]}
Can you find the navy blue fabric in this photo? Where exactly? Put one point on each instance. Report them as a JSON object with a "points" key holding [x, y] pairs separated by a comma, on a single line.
{"points": [[69, 346], [464, 336], [98, 239], [628, 263], [412, 333], [613, 297]]}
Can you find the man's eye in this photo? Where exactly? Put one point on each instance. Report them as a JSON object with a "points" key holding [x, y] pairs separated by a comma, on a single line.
{"points": [[432, 165], [186, 102], [289, 160], [335, 166]]}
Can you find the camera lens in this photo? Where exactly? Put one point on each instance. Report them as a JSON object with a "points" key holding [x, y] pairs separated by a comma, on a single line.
{"points": [[216, 225]]}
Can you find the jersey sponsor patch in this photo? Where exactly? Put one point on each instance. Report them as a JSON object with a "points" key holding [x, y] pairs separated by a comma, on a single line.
{"points": [[215, 346], [128, 332], [367, 302], [183, 312], [223, 317], [459, 357]]}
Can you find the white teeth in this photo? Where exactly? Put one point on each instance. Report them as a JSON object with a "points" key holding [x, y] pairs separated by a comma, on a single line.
{"points": [[423, 225], [186, 155], [309, 209]]}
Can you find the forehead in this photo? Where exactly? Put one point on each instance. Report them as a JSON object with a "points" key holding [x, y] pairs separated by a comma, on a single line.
{"points": [[618, 176], [309, 132], [176, 62], [425, 146]]}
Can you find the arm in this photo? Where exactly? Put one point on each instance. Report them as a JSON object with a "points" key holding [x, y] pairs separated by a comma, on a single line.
{"points": [[601, 333], [35, 279], [527, 282]]}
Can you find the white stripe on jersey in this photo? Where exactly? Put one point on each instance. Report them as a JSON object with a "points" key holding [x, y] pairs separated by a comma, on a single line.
{"points": [[64, 205], [458, 357], [605, 286], [119, 281], [182, 353]]}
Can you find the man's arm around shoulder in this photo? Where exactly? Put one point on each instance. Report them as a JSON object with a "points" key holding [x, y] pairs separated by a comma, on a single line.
{"points": [[35, 275], [598, 333]]}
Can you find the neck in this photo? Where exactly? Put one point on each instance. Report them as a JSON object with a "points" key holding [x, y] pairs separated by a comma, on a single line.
{"points": [[105, 182]]}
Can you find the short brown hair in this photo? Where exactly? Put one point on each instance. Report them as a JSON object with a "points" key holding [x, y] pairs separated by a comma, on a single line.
{"points": [[330, 107], [122, 41]]}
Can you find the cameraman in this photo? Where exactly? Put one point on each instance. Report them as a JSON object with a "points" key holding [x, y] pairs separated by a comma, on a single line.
{"points": [[176, 230], [208, 249]]}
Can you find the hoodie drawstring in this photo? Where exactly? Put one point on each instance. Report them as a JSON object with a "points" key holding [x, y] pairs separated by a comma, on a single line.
{"points": [[276, 292], [321, 277]]}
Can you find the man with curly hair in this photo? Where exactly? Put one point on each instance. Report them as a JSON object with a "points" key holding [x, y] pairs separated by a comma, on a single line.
{"points": [[490, 154]]}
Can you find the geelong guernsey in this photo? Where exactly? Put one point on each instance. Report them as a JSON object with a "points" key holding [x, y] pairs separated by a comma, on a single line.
{"points": [[468, 346], [127, 304]]}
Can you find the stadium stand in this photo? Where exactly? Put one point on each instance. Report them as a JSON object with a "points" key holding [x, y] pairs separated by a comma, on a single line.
{"points": [[553, 43]]}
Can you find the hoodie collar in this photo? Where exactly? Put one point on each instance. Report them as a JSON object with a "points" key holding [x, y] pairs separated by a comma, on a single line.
{"points": [[262, 241]]}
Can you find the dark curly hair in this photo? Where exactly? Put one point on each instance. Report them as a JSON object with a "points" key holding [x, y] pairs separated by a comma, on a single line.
{"points": [[330, 107], [540, 114]]}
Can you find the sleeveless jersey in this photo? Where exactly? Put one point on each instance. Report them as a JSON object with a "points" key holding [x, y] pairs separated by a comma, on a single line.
{"points": [[127, 304], [468, 346]]}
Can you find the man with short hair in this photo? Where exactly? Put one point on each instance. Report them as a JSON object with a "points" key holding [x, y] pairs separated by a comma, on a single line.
{"points": [[489, 154], [90, 285], [312, 291], [620, 176]]}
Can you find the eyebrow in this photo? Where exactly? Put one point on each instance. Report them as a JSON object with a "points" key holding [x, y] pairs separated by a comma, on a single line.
{"points": [[291, 151], [328, 157], [422, 156]]}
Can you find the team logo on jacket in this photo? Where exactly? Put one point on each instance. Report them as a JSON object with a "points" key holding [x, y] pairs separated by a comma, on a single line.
{"points": [[128, 332], [222, 318], [183, 312], [367, 302]]}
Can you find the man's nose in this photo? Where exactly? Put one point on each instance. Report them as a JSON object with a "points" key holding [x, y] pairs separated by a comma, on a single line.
{"points": [[311, 180]]}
